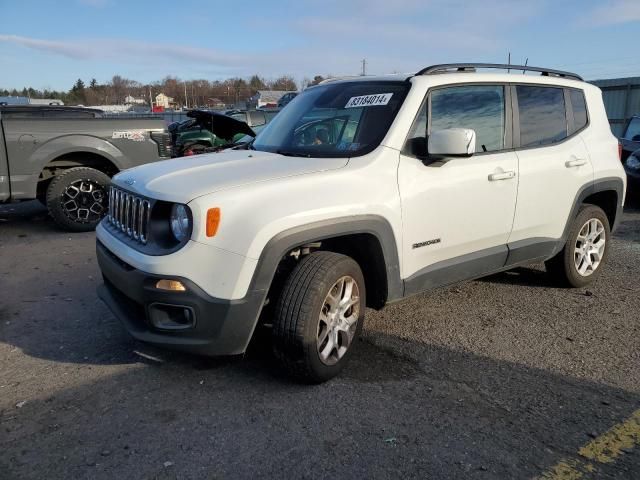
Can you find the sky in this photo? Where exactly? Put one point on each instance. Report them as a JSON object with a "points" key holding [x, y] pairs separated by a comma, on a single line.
{"points": [[50, 44]]}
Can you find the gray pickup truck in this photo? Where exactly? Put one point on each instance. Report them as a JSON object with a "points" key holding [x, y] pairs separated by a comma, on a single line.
{"points": [[65, 156]]}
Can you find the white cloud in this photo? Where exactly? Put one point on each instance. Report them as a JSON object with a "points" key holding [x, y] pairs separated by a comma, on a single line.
{"points": [[614, 12], [68, 49], [332, 41]]}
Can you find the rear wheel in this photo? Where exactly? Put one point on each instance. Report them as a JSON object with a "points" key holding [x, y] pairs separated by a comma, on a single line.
{"points": [[77, 198], [319, 316], [585, 251]]}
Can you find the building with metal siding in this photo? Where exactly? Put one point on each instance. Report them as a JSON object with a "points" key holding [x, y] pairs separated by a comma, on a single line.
{"points": [[621, 99]]}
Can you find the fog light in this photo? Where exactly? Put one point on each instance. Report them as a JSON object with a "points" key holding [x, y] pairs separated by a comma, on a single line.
{"points": [[171, 317], [172, 285]]}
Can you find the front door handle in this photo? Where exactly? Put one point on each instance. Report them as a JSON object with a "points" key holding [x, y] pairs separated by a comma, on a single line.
{"points": [[575, 162], [502, 176]]}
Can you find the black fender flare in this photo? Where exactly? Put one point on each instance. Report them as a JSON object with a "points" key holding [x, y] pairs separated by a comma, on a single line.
{"points": [[284, 242], [615, 184]]}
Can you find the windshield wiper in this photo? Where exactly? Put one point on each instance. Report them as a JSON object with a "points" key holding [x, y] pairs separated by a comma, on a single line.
{"points": [[287, 153]]}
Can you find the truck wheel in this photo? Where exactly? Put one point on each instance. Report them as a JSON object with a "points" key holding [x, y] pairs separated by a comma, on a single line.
{"points": [[319, 316], [77, 198], [580, 261]]}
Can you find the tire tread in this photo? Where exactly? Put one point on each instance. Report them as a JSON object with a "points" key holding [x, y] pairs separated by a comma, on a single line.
{"points": [[295, 305]]}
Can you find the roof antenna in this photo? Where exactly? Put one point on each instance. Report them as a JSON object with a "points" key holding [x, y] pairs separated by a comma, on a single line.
{"points": [[509, 62], [525, 64]]}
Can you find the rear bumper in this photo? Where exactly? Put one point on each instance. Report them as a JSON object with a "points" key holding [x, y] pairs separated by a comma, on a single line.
{"points": [[216, 326]]}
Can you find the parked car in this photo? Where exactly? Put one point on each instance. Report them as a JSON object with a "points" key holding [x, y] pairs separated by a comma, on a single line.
{"points": [[352, 199], [630, 141], [209, 131], [65, 156]]}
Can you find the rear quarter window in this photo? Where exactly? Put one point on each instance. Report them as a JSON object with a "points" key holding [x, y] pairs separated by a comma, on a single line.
{"points": [[579, 107], [542, 112]]}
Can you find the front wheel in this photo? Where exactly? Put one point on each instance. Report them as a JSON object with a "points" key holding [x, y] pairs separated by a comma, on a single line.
{"points": [[77, 198], [319, 316], [585, 251]]}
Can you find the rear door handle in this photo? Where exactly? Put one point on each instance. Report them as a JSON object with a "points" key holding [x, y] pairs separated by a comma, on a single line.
{"points": [[575, 162], [502, 176]]}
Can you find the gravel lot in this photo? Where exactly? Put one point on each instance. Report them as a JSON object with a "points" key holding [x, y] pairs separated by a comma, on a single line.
{"points": [[504, 377]]}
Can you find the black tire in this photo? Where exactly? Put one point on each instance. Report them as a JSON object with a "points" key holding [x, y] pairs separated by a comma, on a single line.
{"points": [[41, 191], [83, 212], [562, 267], [297, 323]]}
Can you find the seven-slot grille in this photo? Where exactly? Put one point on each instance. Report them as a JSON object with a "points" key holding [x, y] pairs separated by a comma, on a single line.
{"points": [[129, 213]]}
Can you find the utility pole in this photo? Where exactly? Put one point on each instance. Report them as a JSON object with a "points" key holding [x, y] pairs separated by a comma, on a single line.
{"points": [[186, 101], [364, 67]]}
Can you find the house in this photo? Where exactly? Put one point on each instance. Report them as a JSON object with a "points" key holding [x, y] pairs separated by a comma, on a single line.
{"points": [[130, 100], [164, 101], [215, 103], [266, 98]]}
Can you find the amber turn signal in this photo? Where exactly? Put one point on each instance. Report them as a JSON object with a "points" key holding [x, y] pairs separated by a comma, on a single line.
{"points": [[213, 221]]}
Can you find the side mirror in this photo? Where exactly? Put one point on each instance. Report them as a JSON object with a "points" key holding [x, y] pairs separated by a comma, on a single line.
{"points": [[459, 142]]}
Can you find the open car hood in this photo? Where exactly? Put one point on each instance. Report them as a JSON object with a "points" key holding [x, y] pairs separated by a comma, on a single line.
{"points": [[220, 125]]}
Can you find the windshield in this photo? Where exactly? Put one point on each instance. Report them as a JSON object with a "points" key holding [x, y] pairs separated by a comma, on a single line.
{"points": [[334, 120]]}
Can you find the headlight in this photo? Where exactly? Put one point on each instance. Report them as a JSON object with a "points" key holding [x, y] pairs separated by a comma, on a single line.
{"points": [[633, 163], [180, 222]]}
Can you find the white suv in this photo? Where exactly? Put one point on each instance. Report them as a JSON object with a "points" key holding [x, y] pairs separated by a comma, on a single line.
{"points": [[361, 192]]}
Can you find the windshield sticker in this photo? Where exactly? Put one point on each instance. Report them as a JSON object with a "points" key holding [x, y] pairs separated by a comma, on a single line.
{"points": [[369, 100], [134, 135]]}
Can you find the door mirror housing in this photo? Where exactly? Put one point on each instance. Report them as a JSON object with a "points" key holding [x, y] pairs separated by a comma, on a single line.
{"points": [[452, 142]]}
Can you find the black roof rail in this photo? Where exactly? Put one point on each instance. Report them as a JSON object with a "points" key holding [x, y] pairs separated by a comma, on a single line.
{"points": [[467, 67]]}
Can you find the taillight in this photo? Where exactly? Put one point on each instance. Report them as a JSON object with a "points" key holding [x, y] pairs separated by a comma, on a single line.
{"points": [[163, 139], [620, 151]]}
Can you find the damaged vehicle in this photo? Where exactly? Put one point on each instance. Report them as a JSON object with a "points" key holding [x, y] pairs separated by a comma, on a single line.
{"points": [[207, 131]]}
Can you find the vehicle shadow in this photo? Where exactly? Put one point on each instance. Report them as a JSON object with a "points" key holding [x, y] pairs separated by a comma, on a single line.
{"points": [[26, 212], [524, 276]]}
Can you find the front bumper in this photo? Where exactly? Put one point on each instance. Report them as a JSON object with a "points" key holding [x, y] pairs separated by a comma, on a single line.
{"points": [[217, 327]]}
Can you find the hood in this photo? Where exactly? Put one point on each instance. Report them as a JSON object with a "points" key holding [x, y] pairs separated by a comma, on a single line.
{"points": [[186, 178], [220, 125]]}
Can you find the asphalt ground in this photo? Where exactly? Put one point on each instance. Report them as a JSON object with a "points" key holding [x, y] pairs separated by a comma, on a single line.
{"points": [[504, 377]]}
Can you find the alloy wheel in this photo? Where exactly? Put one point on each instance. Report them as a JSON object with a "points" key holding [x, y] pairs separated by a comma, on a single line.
{"points": [[84, 201], [590, 246], [338, 320]]}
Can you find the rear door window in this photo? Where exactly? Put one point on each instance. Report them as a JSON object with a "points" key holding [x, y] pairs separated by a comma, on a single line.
{"points": [[543, 118]]}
